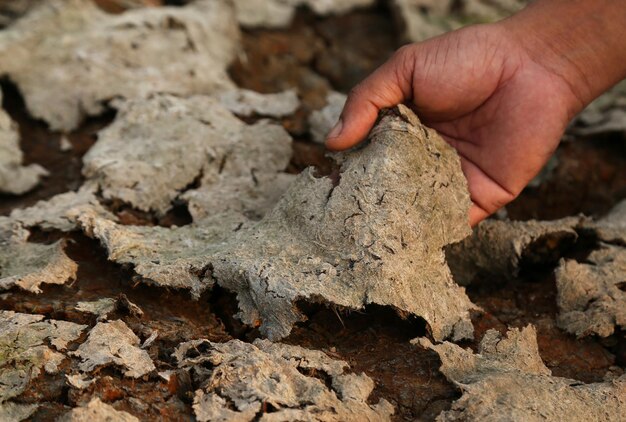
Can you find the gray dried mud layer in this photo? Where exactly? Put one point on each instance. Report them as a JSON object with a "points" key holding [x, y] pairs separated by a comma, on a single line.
{"points": [[373, 237], [244, 102], [69, 58], [54, 213], [591, 296], [159, 146], [497, 248], [16, 412], [95, 411], [113, 343], [177, 257], [105, 306], [15, 178], [101, 307], [280, 13], [79, 381], [507, 380], [29, 345], [300, 384], [29, 265]]}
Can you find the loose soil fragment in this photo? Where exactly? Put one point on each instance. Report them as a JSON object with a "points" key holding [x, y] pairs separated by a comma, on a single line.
{"points": [[105, 306], [244, 102], [29, 265], [374, 236], [101, 307], [28, 344], [245, 168], [15, 178], [138, 158], [95, 410], [79, 381], [275, 382], [158, 147], [114, 343], [497, 248], [592, 295], [54, 213], [507, 376], [68, 57]]}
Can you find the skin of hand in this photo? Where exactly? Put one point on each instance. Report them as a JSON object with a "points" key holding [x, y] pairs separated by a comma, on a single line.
{"points": [[501, 98]]}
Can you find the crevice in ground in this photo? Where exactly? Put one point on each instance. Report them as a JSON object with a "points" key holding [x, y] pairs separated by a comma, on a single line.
{"points": [[375, 341], [542, 256], [177, 216], [225, 306]]}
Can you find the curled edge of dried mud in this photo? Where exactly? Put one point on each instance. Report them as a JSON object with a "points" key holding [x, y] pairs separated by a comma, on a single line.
{"points": [[508, 373]]}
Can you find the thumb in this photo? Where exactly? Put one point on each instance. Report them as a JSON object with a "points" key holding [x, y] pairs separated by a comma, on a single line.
{"points": [[389, 85]]}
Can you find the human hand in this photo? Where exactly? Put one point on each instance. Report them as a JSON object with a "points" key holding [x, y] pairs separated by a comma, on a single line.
{"points": [[487, 95]]}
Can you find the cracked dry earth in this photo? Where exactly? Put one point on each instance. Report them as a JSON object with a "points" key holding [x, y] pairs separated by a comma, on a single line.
{"points": [[176, 245]]}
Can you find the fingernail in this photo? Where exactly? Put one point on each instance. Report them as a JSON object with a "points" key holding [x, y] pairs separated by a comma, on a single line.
{"points": [[335, 131]]}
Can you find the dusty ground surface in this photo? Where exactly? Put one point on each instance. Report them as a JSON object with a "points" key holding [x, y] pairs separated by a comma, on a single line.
{"points": [[314, 55]]}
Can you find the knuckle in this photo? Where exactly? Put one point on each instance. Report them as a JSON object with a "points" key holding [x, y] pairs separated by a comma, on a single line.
{"points": [[356, 92], [405, 52], [404, 60], [501, 200]]}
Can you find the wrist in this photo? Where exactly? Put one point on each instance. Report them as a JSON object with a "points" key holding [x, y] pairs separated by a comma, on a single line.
{"points": [[578, 41]]}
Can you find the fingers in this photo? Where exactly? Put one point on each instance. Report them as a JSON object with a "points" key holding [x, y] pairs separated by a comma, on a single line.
{"points": [[487, 195], [476, 215], [388, 86]]}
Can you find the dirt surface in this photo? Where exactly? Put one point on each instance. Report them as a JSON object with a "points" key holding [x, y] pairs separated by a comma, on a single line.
{"points": [[313, 55]]}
